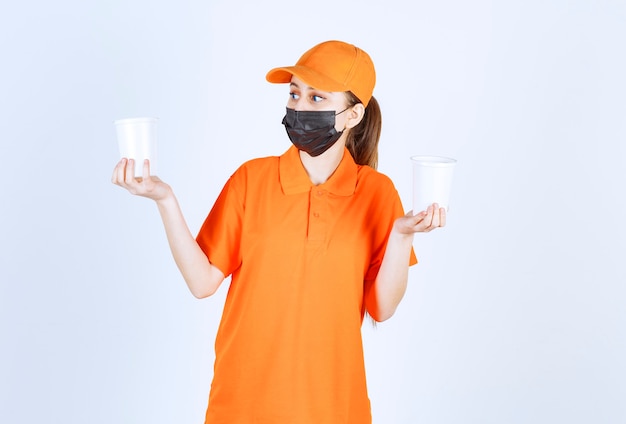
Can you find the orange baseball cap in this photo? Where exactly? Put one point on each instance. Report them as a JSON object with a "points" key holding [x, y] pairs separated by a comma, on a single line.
{"points": [[332, 66]]}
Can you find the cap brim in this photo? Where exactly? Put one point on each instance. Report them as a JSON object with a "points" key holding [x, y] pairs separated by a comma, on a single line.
{"points": [[307, 75]]}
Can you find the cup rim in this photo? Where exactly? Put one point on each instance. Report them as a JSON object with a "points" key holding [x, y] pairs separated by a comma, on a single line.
{"points": [[135, 120], [430, 160]]}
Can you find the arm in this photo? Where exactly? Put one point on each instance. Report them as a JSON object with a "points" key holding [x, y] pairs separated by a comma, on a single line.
{"points": [[201, 276], [384, 295]]}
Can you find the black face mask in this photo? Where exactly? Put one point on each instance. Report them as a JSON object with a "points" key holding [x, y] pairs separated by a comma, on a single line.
{"points": [[312, 131]]}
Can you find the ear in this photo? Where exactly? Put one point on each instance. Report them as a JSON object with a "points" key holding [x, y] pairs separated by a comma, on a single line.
{"points": [[355, 115]]}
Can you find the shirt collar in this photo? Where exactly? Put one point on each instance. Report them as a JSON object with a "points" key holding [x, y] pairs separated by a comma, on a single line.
{"points": [[294, 179]]}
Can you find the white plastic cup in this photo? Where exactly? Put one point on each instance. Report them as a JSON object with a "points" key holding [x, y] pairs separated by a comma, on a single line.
{"points": [[137, 139], [432, 181]]}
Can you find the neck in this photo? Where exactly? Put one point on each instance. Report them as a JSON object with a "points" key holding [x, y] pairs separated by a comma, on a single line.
{"points": [[320, 168]]}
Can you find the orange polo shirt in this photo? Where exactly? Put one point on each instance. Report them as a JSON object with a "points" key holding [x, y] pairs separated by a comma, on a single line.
{"points": [[289, 348]]}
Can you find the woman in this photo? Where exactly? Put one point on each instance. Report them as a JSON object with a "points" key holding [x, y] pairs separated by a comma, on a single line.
{"points": [[312, 239]]}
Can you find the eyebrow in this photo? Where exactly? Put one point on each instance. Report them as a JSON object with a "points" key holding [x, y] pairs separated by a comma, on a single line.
{"points": [[306, 87]]}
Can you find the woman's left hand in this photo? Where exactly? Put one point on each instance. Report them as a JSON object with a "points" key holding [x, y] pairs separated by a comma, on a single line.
{"points": [[423, 222]]}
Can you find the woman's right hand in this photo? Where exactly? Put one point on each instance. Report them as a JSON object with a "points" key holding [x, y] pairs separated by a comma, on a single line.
{"points": [[149, 186]]}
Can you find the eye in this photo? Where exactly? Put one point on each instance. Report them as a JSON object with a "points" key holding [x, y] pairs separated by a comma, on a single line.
{"points": [[316, 98], [294, 96]]}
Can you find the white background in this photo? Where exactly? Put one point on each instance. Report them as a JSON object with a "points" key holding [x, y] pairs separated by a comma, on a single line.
{"points": [[516, 312]]}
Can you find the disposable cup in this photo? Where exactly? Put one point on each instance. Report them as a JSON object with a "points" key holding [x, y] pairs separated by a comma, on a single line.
{"points": [[432, 181], [137, 139]]}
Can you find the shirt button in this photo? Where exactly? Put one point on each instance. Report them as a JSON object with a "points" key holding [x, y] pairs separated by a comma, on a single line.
{"points": [[315, 214], [320, 192]]}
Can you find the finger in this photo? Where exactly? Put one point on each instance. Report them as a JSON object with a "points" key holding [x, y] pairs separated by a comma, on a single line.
{"points": [[146, 169], [129, 176], [416, 217], [114, 175], [428, 219], [118, 172], [415, 220], [422, 224], [434, 223], [442, 217]]}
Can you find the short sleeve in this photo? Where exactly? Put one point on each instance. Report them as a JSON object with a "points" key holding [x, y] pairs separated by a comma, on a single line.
{"points": [[220, 234], [389, 208]]}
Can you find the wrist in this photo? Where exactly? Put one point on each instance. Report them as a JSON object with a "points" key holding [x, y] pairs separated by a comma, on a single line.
{"points": [[401, 237], [167, 198]]}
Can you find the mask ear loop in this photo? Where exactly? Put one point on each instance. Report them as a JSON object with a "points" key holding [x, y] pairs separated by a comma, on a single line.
{"points": [[339, 113]]}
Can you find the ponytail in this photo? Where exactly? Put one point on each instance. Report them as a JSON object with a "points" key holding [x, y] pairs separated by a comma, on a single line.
{"points": [[362, 141]]}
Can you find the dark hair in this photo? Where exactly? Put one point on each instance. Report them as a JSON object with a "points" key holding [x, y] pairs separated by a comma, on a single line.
{"points": [[362, 141]]}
